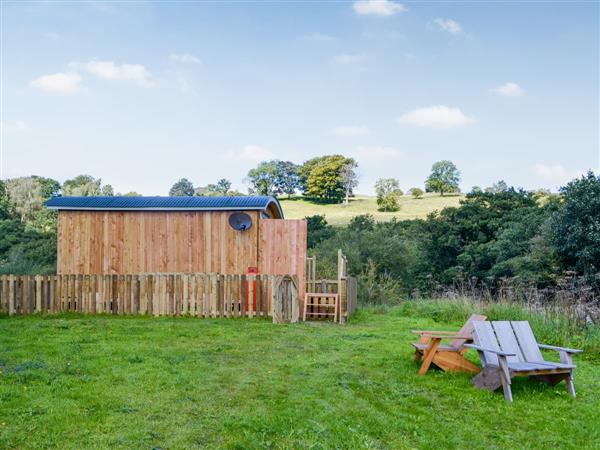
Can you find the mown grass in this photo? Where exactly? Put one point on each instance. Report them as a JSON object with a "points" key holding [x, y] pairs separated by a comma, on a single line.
{"points": [[77, 382], [338, 214]]}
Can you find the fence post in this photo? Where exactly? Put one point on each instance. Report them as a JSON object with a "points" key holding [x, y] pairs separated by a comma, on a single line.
{"points": [[11, 295]]}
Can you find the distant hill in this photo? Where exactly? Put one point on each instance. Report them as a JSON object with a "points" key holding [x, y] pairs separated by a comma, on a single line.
{"points": [[410, 208]]}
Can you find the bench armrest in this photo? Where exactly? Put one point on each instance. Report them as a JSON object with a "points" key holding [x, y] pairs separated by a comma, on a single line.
{"points": [[484, 349], [447, 336], [559, 349], [428, 332]]}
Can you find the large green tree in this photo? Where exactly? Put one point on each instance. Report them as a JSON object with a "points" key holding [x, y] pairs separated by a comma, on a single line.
{"points": [[575, 227], [324, 178], [26, 195], [287, 180], [182, 188], [444, 178], [263, 178]]}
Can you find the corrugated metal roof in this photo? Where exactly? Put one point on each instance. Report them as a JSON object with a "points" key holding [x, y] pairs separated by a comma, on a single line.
{"points": [[257, 203]]}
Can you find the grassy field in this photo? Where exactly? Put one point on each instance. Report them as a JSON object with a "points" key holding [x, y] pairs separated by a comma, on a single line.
{"points": [[410, 208], [74, 382]]}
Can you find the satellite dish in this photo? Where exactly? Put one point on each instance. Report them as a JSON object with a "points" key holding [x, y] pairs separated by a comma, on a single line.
{"points": [[240, 221]]}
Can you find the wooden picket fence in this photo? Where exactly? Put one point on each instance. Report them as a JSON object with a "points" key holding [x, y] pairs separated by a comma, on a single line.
{"points": [[172, 294]]}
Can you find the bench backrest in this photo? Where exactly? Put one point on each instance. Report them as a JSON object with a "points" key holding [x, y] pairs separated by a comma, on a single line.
{"points": [[466, 330], [511, 337]]}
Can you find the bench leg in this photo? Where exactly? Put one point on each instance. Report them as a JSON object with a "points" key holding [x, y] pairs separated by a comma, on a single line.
{"points": [[570, 385], [505, 378], [429, 355]]}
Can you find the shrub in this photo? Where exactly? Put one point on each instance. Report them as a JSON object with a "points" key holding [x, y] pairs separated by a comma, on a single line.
{"points": [[416, 192]]}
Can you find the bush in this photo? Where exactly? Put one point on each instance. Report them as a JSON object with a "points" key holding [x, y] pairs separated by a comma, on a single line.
{"points": [[388, 194], [416, 192]]}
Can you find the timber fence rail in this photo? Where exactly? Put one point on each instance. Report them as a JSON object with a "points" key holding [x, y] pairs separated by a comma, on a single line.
{"points": [[172, 294]]}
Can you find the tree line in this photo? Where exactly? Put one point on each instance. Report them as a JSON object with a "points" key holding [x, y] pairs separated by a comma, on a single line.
{"points": [[495, 236], [328, 179]]}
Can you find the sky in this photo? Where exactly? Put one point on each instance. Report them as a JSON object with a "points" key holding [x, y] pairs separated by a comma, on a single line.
{"points": [[141, 94]]}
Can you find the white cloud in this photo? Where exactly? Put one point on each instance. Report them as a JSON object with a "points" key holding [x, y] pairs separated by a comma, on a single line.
{"points": [[62, 82], [346, 58], [377, 152], [108, 70], [319, 37], [510, 89], [351, 130], [184, 58], [382, 8], [440, 116], [250, 153], [16, 126], [449, 25], [557, 173]]}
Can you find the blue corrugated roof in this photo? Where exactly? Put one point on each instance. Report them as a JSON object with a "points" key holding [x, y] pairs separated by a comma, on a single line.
{"points": [[258, 203]]}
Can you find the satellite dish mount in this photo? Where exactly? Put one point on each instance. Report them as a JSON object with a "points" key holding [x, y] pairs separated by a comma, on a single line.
{"points": [[240, 221]]}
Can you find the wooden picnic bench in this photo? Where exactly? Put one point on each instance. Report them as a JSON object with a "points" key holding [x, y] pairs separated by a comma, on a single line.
{"points": [[448, 357], [509, 349]]}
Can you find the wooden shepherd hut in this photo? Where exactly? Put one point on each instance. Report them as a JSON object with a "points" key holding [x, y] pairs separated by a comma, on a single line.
{"points": [[133, 235]]}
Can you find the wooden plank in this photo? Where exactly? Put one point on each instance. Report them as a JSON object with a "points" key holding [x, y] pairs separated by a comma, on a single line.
{"points": [[483, 335], [507, 340], [526, 339]]}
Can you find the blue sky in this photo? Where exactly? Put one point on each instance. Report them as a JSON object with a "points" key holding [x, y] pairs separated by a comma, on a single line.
{"points": [[141, 94]]}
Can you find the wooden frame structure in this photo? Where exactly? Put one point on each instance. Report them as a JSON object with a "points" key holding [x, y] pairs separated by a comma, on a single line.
{"points": [[449, 357], [509, 349], [321, 306], [344, 286]]}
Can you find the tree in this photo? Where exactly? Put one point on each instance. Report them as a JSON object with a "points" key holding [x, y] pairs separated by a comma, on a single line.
{"points": [[222, 186], [444, 178], [82, 186], [287, 180], [497, 187], [416, 192], [182, 188], [263, 178], [388, 194], [107, 190], [321, 177], [4, 201], [26, 195], [575, 227], [349, 179], [317, 229]]}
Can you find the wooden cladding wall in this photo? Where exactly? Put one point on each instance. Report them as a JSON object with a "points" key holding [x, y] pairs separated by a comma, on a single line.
{"points": [[282, 249], [197, 294], [129, 242]]}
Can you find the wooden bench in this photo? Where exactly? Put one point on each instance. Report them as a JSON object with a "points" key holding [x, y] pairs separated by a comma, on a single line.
{"points": [[447, 357], [509, 349]]}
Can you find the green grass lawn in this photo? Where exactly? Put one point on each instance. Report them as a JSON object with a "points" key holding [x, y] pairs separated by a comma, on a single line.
{"points": [[74, 382], [410, 208]]}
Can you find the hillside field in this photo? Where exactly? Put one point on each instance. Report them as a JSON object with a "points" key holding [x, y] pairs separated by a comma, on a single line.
{"points": [[410, 208]]}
